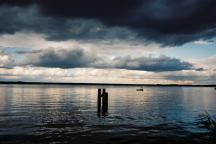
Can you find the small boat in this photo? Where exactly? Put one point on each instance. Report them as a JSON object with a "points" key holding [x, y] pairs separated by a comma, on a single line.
{"points": [[139, 89]]}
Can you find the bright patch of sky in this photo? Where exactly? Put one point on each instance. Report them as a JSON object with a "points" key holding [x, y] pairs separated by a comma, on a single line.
{"points": [[193, 50], [17, 57], [190, 51]]}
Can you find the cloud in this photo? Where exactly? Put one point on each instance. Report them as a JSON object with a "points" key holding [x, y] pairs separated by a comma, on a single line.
{"points": [[204, 42], [211, 41], [58, 58], [3, 52], [34, 71], [106, 46], [30, 19], [205, 63], [24, 52], [154, 64], [6, 61], [167, 22], [107, 75], [79, 58], [199, 69]]}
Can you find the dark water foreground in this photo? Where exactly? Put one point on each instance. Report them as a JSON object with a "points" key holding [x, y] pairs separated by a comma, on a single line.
{"points": [[68, 114], [108, 134]]}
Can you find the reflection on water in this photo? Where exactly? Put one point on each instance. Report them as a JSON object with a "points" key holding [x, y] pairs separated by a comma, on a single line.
{"points": [[58, 113]]}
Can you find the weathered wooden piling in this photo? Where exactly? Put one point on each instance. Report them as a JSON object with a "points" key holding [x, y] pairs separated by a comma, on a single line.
{"points": [[99, 100], [104, 96], [105, 102], [107, 99]]}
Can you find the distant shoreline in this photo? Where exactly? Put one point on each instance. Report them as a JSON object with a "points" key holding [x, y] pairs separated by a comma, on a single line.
{"points": [[112, 84]]}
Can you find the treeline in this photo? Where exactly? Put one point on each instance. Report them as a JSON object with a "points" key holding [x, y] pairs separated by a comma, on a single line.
{"points": [[113, 84]]}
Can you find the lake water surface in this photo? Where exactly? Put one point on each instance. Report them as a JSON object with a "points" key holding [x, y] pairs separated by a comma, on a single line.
{"points": [[68, 114]]}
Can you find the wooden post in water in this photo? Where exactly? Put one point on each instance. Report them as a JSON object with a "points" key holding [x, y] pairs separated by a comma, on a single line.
{"points": [[104, 91], [105, 104], [104, 96], [99, 100], [105, 100]]}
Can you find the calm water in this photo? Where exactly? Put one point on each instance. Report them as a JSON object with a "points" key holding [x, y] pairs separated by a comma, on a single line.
{"points": [[68, 114]]}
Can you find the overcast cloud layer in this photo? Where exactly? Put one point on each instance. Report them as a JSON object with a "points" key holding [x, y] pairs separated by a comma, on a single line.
{"points": [[121, 41], [167, 22]]}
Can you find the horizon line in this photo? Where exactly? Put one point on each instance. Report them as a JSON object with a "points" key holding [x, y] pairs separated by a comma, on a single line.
{"points": [[115, 84]]}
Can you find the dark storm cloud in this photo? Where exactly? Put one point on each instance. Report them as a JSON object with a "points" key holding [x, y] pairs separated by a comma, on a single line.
{"points": [[21, 19], [166, 22], [78, 58]]}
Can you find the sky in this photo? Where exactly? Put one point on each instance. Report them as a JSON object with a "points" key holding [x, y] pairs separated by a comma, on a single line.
{"points": [[109, 41]]}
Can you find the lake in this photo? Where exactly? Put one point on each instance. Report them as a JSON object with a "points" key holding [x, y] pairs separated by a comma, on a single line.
{"points": [[68, 114]]}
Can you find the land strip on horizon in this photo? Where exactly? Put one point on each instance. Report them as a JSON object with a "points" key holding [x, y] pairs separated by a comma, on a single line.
{"points": [[114, 84]]}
